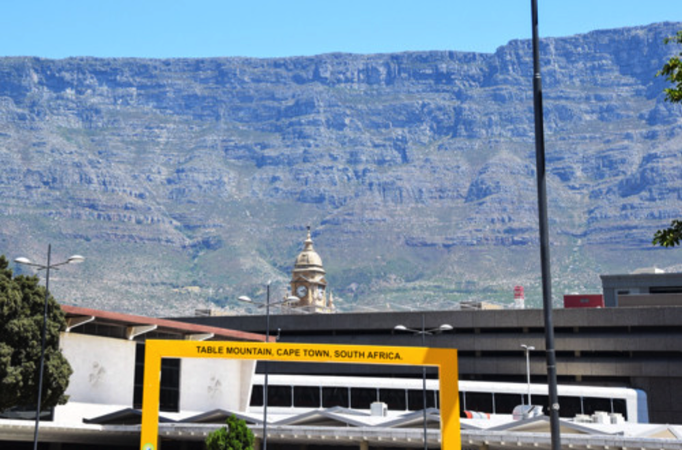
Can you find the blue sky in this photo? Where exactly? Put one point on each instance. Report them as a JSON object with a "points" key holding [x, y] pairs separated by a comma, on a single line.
{"points": [[270, 28]]}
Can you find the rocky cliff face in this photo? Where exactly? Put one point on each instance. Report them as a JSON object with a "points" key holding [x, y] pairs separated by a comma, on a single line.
{"points": [[187, 182]]}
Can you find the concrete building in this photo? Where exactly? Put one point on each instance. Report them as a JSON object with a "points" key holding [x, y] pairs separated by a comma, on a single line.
{"points": [[630, 347], [104, 348], [653, 288]]}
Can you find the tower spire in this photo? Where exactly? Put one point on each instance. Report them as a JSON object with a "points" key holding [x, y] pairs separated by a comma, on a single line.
{"points": [[308, 241]]}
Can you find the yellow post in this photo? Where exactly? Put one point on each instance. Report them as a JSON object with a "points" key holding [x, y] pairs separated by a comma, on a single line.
{"points": [[444, 359], [150, 396]]}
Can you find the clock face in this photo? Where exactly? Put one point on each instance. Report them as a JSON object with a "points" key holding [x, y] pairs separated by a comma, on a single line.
{"points": [[301, 291]]}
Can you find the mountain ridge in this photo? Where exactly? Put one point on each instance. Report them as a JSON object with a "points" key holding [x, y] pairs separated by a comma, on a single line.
{"points": [[416, 171]]}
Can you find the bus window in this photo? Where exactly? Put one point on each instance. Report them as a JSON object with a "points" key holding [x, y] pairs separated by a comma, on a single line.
{"points": [[306, 397], [335, 396], [620, 406], [279, 396], [480, 402], [362, 398], [415, 399], [394, 399], [543, 400], [569, 406], [505, 403], [257, 395], [592, 404]]}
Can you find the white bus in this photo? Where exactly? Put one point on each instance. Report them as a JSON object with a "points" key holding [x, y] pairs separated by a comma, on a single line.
{"points": [[293, 394]]}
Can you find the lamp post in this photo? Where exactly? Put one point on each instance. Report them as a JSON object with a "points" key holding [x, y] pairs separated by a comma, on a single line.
{"points": [[423, 332], [267, 305], [527, 349], [75, 259], [543, 222]]}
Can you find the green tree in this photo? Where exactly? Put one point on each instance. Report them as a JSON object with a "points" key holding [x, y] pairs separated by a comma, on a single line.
{"points": [[235, 436], [669, 237], [22, 303], [672, 70]]}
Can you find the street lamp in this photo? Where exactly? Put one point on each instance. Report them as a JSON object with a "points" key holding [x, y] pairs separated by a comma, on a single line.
{"points": [[75, 259], [527, 349], [423, 332], [267, 305]]}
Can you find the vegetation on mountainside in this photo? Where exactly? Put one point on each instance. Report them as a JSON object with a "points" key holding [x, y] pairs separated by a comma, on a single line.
{"points": [[22, 304], [190, 182], [672, 70], [234, 436]]}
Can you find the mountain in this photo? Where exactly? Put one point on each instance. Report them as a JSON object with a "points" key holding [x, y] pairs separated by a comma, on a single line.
{"points": [[188, 182]]}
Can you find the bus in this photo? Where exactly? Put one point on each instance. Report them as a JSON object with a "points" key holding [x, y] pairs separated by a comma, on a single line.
{"points": [[294, 394]]}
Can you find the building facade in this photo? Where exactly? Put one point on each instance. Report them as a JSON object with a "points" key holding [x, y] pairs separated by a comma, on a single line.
{"points": [[642, 289], [636, 347], [106, 352]]}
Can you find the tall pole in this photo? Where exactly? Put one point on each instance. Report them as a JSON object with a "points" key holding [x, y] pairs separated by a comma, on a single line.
{"points": [[73, 259], [424, 332], [42, 348], [426, 445], [544, 235], [528, 375], [265, 363], [527, 350]]}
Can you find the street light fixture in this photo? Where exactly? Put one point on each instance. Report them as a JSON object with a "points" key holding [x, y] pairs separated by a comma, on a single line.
{"points": [[527, 349], [423, 332], [75, 259], [267, 305]]}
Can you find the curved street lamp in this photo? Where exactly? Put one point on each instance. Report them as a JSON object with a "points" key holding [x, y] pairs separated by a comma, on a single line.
{"points": [[267, 305], [423, 332], [75, 259]]}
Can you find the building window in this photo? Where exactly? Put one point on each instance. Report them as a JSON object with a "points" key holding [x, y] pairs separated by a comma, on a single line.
{"points": [[169, 394]]}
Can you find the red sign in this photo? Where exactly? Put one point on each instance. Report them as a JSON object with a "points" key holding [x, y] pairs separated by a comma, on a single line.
{"points": [[583, 301]]}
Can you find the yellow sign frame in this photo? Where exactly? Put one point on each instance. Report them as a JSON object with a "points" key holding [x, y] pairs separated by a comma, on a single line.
{"points": [[443, 358]]}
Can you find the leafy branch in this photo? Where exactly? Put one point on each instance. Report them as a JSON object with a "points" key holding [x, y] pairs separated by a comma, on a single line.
{"points": [[672, 70]]}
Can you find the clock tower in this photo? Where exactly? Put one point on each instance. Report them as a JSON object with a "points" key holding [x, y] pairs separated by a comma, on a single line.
{"points": [[308, 282]]}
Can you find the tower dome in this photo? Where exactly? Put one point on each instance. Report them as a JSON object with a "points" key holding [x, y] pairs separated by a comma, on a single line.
{"points": [[308, 259], [308, 282]]}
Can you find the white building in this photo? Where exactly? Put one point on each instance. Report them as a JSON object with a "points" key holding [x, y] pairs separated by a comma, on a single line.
{"points": [[106, 353]]}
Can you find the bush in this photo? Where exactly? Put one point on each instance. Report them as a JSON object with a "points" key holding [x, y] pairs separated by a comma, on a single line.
{"points": [[235, 436]]}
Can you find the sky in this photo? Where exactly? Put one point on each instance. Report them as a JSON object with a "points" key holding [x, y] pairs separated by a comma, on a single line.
{"points": [[279, 28]]}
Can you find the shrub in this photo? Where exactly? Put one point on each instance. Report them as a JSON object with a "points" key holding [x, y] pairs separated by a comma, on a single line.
{"points": [[234, 436]]}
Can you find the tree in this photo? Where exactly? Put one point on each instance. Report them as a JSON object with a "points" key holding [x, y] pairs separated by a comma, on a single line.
{"points": [[235, 436], [22, 303], [670, 237], [673, 71]]}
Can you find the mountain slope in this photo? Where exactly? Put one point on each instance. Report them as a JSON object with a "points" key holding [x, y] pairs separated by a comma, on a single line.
{"points": [[188, 182]]}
